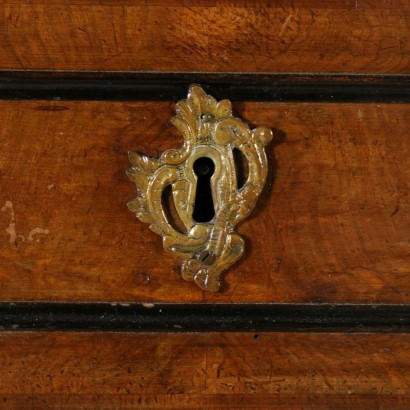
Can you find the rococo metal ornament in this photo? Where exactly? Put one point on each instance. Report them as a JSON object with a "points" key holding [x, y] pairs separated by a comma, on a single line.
{"points": [[202, 175]]}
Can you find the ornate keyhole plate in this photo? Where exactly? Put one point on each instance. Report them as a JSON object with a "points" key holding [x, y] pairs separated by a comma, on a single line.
{"points": [[211, 135]]}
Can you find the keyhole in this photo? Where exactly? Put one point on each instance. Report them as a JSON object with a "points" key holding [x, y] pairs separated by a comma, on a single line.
{"points": [[204, 205]]}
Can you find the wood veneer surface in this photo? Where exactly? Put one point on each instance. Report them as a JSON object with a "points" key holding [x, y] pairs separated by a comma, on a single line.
{"points": [[332, 225], [263, 36], [204, 371]]}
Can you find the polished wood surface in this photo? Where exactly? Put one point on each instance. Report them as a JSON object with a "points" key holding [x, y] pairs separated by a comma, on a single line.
{"points": [[332, 225], [204, 371], [240, 35]]}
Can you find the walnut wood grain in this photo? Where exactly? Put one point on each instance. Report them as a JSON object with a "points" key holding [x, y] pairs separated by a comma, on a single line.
{"points": [[332, 226], [286, 36], [204, 371]]}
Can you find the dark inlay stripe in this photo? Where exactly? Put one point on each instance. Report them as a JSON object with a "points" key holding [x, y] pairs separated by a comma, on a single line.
{"points": [[142, 86], [203, 317]]}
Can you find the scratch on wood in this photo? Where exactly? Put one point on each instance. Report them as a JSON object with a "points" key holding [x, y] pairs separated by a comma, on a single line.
{"points": [[36, 231], [285, 24], [11, 229]]}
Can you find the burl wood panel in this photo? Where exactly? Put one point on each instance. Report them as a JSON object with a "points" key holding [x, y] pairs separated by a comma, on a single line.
{"points": [[333, 224], [204, 371], [284, 36]]}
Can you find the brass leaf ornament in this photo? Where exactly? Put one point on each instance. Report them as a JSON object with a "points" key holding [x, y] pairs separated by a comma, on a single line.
{"points": [[203, 177]]}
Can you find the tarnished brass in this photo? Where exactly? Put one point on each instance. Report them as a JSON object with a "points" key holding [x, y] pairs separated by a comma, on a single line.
{"points": [[210, 131]]}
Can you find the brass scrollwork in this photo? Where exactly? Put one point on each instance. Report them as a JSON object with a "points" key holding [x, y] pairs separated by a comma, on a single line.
{"points": [[210, 131]]}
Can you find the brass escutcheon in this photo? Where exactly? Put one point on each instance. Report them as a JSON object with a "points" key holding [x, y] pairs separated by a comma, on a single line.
{"points": [[211, 134]]}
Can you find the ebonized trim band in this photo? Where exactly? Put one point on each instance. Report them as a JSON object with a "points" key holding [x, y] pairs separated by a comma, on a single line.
{"points": [[161, 86], [28, 316]]}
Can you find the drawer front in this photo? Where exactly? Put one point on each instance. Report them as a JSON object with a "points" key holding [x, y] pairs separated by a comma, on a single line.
{"points": [[196, 371], [331, 226], [230, 35]]}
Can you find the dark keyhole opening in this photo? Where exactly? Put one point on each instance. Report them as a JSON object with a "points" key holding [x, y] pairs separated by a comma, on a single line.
{"points": [[204, 210]]}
